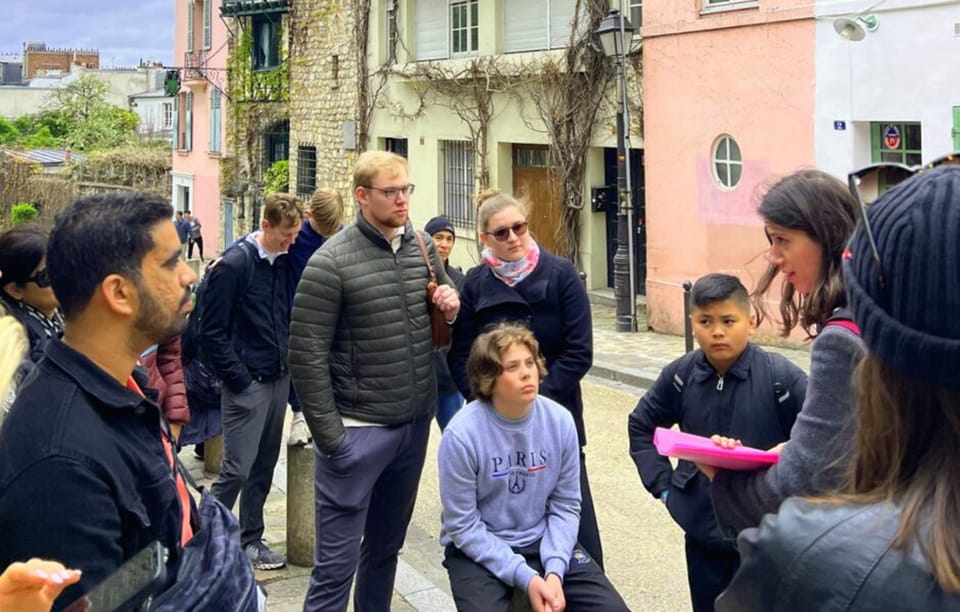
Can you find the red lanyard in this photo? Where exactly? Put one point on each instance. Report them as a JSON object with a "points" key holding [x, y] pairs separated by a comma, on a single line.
{"points": [[186, 531]]}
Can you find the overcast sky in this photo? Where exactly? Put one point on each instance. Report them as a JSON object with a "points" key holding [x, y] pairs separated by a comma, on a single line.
{"points": [[124, 31]]}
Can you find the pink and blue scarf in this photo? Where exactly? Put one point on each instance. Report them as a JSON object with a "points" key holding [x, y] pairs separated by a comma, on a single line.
{"points": [[512, 272]]}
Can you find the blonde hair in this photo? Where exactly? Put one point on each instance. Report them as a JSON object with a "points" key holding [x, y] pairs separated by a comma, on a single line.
{"points": [[326, 209], [372, 163], [13, 348], [493, 201], [485, 363]]}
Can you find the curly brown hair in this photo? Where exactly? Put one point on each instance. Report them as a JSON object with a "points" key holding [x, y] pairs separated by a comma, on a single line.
{"points": [[485, 363]]}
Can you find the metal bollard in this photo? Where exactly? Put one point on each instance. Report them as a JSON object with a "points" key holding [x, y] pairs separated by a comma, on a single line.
{"points": [[687, 322], [301, 528], [213, 455]]}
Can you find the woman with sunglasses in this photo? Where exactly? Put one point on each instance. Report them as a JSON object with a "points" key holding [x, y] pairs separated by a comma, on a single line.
{"points": [[25, 287], [889, 539], [518, 281], [808, 217]]}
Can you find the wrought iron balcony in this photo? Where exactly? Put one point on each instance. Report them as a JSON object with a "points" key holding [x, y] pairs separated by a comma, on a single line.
{"points": [[239, 8], [194, 65]]}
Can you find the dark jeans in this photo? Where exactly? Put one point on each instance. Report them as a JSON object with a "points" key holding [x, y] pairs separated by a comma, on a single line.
{"points": [[475, 589], [252, 433], [448, 405], [365, 493], [709, 572], [195, 241], [589, 534]]}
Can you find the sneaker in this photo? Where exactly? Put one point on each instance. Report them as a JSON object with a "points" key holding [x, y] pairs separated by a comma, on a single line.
{"points": [[299, 432], [262, 558], [198, 451]]}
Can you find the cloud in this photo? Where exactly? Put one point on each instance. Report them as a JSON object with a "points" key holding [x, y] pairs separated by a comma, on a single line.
{"points": [[124, 33]]}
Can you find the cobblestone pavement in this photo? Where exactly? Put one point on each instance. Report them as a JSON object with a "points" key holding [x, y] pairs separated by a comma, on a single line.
{"points": [[643, 547]]}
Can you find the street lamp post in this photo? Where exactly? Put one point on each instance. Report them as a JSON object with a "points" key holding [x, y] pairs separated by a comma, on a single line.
{"points": [[614, 31]]}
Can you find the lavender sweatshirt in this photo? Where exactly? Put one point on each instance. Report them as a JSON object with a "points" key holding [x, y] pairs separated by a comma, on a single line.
{"points": [[505, 484]]}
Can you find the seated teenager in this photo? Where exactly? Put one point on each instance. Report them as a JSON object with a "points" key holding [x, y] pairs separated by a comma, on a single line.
{"points": [[510, 489]]}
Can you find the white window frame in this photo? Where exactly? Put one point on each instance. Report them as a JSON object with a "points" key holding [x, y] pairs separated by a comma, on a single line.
{"points": [[391, 24], [725, 158], [167, 115], [554, 28], [720, 6], [638, 5], [468, 30]]}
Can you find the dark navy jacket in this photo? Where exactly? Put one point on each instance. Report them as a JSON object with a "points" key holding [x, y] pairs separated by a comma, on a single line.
{"points": [[445, 383], [553, 303], [749, 405], [83, 476], [307, 243], [246, 318]]}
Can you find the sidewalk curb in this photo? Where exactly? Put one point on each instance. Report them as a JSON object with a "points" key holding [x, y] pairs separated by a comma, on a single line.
{"points": [[632, 378]]}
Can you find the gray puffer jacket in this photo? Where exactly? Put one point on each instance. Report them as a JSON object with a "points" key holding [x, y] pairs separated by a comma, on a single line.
{"points": [[360, 340]]}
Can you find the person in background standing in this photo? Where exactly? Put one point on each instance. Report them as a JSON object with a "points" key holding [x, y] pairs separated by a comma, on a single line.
{"points": [[183, 231], [196, 235], [322, 220], [449, 398]]}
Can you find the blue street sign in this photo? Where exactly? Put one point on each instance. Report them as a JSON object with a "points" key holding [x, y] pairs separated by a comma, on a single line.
{"points": [[840, 125]]}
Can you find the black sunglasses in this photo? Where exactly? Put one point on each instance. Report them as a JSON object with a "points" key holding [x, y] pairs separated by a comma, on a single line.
{"points": [[40, 279], [870, 182], [503, 233]]}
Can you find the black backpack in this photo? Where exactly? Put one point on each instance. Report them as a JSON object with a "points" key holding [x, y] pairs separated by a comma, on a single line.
{"points": [[190, 345], [773, 368]]}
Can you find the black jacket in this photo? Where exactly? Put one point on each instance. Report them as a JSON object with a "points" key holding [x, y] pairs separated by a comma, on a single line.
{"points": [[553, 303], [747, 405], [244, 331], [445, 384], [831, 558], [83, 476]]}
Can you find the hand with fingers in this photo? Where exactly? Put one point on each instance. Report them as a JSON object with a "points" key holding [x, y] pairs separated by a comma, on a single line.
{"points": [[33, 586]]}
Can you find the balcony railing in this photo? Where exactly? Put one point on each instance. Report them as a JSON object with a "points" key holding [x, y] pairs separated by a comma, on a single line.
{"points": [[239, 8], [194, 65]]}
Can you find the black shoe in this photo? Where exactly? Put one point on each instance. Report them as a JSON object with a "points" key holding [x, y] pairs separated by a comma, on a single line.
{"points": [[262, 558], [198, 451]]}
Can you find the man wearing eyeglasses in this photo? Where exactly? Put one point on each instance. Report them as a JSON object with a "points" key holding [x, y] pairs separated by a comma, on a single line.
{"points": [[361, 356]]}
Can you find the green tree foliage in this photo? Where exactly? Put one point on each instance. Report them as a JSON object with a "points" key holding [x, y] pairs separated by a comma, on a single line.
{"points": [[277, 177], [78, 115], [24, 213]]}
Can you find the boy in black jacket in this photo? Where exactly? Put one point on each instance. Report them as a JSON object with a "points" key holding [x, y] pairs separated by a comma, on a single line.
{"points": [[730, 386]]}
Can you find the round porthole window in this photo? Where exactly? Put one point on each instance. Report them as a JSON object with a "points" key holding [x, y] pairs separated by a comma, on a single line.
{"points": [[727, 162]]}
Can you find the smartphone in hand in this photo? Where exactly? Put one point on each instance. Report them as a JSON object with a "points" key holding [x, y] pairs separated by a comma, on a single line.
{"points": [[130, 587]]}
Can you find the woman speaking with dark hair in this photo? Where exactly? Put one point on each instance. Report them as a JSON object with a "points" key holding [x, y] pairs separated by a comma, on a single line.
{"points": [[891, 538], [519, 281], [808, 217]]}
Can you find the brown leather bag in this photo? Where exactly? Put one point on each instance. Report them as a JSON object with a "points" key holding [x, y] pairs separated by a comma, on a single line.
{"points": [[438, 322]]}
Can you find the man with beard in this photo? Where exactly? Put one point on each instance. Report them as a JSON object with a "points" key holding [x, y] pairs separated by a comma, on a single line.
{"points": [[243, 334], [361, 354], [85, 455]]}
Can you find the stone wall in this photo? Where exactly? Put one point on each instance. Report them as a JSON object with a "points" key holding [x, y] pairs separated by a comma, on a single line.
{"points": [[323, 90]]}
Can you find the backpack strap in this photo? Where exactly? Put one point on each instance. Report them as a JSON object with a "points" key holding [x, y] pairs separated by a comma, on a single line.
{"points": [[785, 403], [842, 317]]}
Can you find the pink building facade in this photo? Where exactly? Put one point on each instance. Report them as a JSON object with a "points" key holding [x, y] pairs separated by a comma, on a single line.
{"points": [[200, 52], [729, 96]]}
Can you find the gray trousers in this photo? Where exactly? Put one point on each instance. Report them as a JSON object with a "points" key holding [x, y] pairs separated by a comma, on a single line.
{"points": [[365, 493], [252, 434]]}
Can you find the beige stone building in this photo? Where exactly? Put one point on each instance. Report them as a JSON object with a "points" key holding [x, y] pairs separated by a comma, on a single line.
{"points": [[475, 94]]}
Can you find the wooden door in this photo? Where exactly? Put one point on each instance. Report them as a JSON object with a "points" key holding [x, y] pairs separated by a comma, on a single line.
{"points": [[534, 184]]}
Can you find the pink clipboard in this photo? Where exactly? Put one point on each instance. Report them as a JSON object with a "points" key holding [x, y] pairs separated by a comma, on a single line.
{"points": [[698, 449]]}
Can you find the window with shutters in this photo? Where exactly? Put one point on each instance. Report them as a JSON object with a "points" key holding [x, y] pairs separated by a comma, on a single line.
{"points": [[207, 18], [215, 120], [533, 25], [191, 10]]}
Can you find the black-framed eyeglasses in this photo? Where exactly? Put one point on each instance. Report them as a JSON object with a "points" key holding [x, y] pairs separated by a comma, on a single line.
{"points": [[503, 234], [40, 278], [870, 182], [391, 193]]}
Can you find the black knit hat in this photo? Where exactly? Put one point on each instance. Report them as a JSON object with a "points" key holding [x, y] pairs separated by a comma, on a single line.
{"points": [[913, 322], [439, 224]]}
